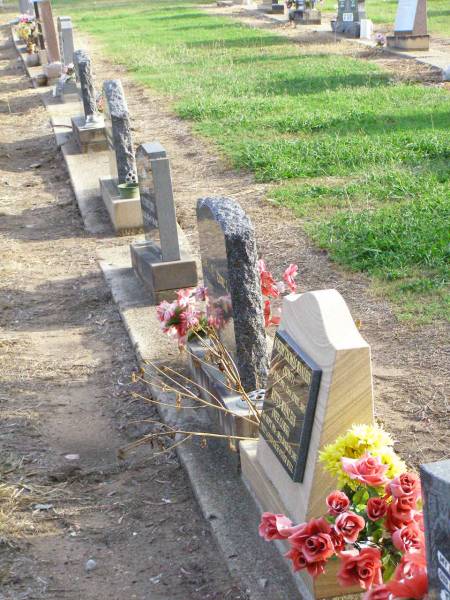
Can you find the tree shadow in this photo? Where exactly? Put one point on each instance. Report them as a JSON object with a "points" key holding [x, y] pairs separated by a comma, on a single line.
{"points": [[243, 42]]}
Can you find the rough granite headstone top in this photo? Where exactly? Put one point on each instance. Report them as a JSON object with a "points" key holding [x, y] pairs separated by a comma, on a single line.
{"points": [[118, 130], [229, 259], [82, 64]]}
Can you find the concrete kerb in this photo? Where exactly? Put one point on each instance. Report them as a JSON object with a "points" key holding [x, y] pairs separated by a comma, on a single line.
{"points": [[222, 496]]}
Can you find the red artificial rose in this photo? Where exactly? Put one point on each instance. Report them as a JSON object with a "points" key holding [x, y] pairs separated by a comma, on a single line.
{"points": [[408, 537], [378, 592], [367, 469], [410, 577], [400, 512], [299, 562], [268, 285], [338, 540], [363, 568], [313, 539], [349, 525], [274, 527], [337, 503], [376, 508], [406, 484]]}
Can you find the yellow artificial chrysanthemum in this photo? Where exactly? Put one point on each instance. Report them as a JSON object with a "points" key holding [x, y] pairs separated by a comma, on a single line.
{"points": [[359, 440]]}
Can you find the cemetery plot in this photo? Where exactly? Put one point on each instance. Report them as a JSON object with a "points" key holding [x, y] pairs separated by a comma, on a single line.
{"points": [[322, 125]]}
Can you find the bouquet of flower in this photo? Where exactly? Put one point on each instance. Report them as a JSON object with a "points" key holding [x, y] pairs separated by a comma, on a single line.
{"points": [[373, 525], [182, 318]]}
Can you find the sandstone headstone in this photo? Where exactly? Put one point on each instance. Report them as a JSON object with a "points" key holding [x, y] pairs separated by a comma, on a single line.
{"points": [[65, 31], [49, 31], [410, 31], [161, 262], [118, 131], [436, 498], [320, 384], [40, 35], [229, 260]]}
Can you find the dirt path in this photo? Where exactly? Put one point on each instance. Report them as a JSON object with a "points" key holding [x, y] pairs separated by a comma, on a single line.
{"points": [[410, 365], [64, 367]]}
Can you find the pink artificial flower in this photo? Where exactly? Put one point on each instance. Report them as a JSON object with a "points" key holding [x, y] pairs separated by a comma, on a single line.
{"points": [[409, 537], [367, 469], [268, 285], [410, 578], [337, 503], [406, 484], [269, 318], [289, 275], [274, 527], [400, 512], [377, 592], [313, 539], [184, 296], [362, 568], [299, 562], [165, 311], [376, 508], [350, 525]]}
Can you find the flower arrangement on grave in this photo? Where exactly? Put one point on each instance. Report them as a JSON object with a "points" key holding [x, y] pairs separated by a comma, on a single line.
{"points": [[26, 30], [272, 290], [373, 525], [100, 102]]}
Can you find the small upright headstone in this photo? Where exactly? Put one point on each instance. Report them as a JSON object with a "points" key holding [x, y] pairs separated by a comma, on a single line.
{"points": [[229, 260], [160, 262], [436, 508], [65, 31], [410, 31], [320, 384], [350, 13], [124, 210], [88, 130]]}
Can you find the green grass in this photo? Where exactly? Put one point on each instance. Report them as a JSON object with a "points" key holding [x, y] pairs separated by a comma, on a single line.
{"points": [[384, 11], [362, 159]]}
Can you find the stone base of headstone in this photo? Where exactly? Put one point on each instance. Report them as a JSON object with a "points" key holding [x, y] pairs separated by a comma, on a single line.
{"points": [[162, 279], [125, 213], [351, 29], [401, 41], [309, 16], [210, 380], [53, 71], [277, 9], [43, 60], [90, 138], [268, 499]]}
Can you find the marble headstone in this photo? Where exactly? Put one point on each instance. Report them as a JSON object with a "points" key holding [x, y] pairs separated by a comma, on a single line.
{"points": [[118, 131], [229, 260], [436, 508]]}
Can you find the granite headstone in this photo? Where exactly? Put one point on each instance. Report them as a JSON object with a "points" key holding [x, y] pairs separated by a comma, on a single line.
{"points": [[350, 13], [118, 131], [82, 64], [229, 260], [436, 508]]}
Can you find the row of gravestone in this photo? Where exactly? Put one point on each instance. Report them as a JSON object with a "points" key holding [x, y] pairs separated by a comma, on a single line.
{"points": [[330, 382]]}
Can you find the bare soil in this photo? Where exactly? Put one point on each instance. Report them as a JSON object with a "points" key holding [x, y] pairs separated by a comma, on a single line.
{"points": [[65, 369]]}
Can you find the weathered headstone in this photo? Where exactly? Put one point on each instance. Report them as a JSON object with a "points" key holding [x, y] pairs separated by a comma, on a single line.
{"points": [[410, 30], [125, 213], [436, 508], [160, 262], [88, 130], [65, 32], [350, 13], [49, 31], [320, 384], [229, 260]]}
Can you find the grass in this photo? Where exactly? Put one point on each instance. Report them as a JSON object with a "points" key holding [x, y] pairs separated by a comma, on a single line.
{"points": [[382, 12], [361, 157]]}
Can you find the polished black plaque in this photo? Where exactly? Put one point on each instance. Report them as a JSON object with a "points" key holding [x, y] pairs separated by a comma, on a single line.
{"points": [[290, 404]]}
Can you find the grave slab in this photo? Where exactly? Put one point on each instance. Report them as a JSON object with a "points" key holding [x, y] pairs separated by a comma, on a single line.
{"points": [[320, 384]]}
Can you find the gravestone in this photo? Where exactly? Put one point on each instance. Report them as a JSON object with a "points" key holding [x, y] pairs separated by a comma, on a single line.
{"points": [[436, 508], [40, 35], [53, 67], [125, 213], [319, 385], [410, 30], [160, 262], [350, 13], [65, 33], [305, 14], [88, 130], [229, 260]]}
